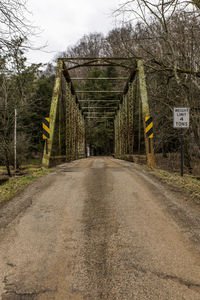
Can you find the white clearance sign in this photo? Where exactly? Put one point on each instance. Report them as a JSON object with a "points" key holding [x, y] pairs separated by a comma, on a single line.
{"points": [[181, 117]]}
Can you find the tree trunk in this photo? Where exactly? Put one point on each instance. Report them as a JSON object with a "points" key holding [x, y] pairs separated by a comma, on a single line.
{"points": [[187, 158], [7, 164]]}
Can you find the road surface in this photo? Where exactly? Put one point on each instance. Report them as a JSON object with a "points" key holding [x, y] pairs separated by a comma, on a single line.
{"points": [[98, 228]]}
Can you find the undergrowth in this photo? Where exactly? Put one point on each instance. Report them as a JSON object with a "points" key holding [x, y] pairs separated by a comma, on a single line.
{"points": [[17, 183], [188, 183]]}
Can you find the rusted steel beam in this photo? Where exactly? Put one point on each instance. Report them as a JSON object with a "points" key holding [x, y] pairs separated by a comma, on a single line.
{"points": [[131, 101], [102, 92], [60, 125], [68, 135], [130, 79], [100, 65], [68, 79], [99, 117], [145, 112], [99, 78], [109, 100], [100, 107], [98, 112], [98, 120], [52, 115], [95, 58], [100, 62]]}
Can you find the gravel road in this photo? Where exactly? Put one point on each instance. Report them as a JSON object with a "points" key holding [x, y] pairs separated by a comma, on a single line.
{"points": [[99, 228]]}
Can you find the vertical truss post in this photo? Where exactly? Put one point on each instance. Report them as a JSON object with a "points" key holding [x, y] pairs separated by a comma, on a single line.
{"points": [[52, 115], [115, 135], [76, 131], [59, 126], [139, 119], [120, 132], [123, 118], [145, 112], [126, 124], [83, 149], [130, 120], [79, 134], [68, 121], [72, 130], [81, 140], [118, 135]]}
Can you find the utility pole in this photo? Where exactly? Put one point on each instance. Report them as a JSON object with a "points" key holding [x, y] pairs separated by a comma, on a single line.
{"points": [[15, 140]]}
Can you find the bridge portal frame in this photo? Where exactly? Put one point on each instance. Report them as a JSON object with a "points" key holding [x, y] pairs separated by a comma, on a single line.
{"points": [[74, 117]]}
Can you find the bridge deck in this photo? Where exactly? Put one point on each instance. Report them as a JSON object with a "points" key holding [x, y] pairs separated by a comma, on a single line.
{"points": [[98, 228]]}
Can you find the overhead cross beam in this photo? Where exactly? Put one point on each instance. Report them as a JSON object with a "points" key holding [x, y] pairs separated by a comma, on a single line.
{"points": [[95, 58], [98, 112], [99, 92], [99, 78], [101, 100], [96, 117], [99, 107], [100, 62]]}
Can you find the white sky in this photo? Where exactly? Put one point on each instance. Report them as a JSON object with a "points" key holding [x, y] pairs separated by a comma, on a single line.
{"points": [[64, 22]]}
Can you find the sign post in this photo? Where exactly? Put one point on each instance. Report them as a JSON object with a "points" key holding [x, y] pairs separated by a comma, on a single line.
{"points": [[181, 120]]}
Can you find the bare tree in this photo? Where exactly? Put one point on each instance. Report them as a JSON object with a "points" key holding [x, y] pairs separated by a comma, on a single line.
{"points": [[165, 34], [13, 21], [197, 3]]}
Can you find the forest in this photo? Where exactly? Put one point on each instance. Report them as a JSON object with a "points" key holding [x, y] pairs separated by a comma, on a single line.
{"points": [[165, 34]]}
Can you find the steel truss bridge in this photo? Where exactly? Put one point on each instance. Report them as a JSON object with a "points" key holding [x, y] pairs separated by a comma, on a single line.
{"points": [[70, 112]]}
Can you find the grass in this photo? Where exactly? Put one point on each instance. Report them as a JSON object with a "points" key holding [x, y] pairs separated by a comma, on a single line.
{"points": [[2, 169], [17, 183], [187, 183]]}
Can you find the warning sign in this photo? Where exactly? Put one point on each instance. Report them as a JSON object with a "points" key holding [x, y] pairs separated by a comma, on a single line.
{"points": [[149, 127], [181, 117], [46, 129]]}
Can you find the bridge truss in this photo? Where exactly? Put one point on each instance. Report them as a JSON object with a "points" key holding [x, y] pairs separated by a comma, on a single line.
{"points": [[70, 112]]}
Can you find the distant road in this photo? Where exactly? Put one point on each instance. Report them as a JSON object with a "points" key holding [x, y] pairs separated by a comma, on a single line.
{"points": [[99, 228]]}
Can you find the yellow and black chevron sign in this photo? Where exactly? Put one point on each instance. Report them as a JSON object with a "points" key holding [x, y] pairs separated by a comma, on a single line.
{"points": [[46, 129], [149, 127]]}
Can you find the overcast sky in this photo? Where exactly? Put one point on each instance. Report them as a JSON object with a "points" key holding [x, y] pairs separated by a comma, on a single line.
{"points": [[64, 22]]}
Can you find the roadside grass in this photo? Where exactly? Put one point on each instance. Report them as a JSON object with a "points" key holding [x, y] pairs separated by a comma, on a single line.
{"points": [[17, 182], [188, 183], [2, 169]]}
